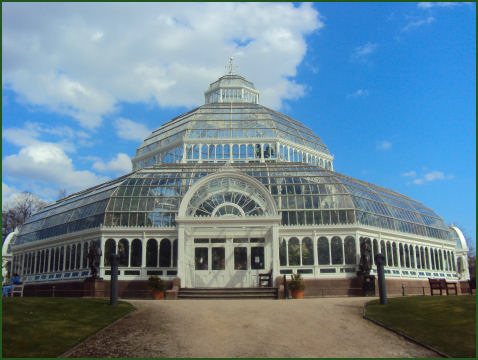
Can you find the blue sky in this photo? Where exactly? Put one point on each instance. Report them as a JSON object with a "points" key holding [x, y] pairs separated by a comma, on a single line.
{"points": [[390, 88]]}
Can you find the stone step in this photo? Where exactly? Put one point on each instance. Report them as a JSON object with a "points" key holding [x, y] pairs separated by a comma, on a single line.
{"points": [[227, 293]]}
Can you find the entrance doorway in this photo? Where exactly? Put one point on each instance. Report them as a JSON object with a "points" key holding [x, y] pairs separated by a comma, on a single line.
{"points": [[229, 262]]}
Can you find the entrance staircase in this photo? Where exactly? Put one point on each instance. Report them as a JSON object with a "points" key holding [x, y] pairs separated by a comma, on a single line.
{"points": [[228, 293]]}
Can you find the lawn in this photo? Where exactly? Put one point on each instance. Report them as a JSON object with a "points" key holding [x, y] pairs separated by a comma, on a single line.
{"points": [[47, 327], [446, 323]]}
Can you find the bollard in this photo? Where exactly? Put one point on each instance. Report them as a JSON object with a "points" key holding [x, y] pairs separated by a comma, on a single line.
{"points": [[423, 290], [403, 290], [286, 293], [380, 261], [114, 279]]}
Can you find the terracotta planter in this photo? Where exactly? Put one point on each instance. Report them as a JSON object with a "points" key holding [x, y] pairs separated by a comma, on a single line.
{"points": [[297, 294], [158, 295]]}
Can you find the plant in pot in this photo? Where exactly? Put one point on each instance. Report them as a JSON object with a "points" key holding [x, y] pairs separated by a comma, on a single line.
{"points": [[157, 287], [296, 286]]}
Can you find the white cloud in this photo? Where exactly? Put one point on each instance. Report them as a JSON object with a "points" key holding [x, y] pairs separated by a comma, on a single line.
{"points": [[131, 130], [83, 61], [119, 165], [417, 23], [361, 53], [47, 163], [430, 176], [358, 93], [410, 174], [428, 5], [384, 145]]}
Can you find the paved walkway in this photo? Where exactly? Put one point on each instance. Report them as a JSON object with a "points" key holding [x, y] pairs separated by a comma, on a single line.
{"points": [[323, 327]]}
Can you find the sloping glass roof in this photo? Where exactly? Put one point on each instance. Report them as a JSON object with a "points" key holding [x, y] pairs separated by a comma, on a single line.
{"points": [[304, 195]]}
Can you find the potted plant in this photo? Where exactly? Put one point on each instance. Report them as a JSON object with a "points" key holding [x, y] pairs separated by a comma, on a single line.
{"points": [[157, 287], [296, 286]]}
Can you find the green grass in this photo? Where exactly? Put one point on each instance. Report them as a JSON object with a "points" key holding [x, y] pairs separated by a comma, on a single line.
{"points": [[446, 323], [47, 327]]}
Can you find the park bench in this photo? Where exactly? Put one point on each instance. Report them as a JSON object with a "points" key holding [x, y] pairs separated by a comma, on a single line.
{"points": [[442, 284]]}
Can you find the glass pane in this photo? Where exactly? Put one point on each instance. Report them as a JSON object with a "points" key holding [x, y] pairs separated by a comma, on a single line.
{"points": [[136, 252], [152, 253], [200, 257], [218, 258], [337, 251], [323, 251], [349, 249], [307, 252], [165, 253], [123, 252], [257, 257], [240, 258], [283, 253], [294, 252]]}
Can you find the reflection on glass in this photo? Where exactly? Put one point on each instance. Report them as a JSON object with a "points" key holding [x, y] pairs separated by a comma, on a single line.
{"points": [[152, 253], [323, 251], [218, 257], [201, 258], [307, 252], [257, 257], [294, 252], [240, 258]]}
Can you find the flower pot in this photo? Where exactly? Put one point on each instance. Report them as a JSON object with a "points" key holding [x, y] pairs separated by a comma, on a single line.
{"points": [[297, 294], [158, 295]]}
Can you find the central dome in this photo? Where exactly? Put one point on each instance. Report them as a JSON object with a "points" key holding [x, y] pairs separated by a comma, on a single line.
{"points": [[232, 127]]}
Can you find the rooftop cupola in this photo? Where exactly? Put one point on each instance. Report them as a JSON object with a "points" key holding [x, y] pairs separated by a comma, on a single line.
{"points": [[231, 88]]}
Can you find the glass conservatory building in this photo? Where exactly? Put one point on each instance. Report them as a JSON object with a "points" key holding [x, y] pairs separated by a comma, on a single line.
{"points": [[230, 190]]}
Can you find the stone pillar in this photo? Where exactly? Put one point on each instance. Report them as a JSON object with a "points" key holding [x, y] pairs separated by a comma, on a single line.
{"points": [[275, 251], [181, 255]]}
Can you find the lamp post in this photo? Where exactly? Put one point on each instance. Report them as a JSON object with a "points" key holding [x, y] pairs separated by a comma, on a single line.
{"points": [[114, 259], [380, 261]]}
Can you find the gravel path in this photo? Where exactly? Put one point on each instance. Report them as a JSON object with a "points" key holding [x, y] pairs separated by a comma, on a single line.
{"points": [[323, 327]]}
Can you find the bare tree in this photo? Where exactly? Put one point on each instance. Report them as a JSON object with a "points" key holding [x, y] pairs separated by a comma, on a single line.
{"points": [[16, 211], [62, 193]]}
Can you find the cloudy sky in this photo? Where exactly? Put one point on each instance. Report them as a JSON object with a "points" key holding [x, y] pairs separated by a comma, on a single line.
{"points": [[390, 88]]}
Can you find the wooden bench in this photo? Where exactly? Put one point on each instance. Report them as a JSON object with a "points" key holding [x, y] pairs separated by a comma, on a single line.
{"points": [[442, 284], [265, 280]]}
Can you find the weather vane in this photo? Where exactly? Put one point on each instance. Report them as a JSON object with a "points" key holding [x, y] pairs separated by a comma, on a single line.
{"points": [[231, 66]]}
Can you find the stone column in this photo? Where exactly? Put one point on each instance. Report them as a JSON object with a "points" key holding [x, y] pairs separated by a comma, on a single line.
{"points": [[181, 255], [275, 252]]}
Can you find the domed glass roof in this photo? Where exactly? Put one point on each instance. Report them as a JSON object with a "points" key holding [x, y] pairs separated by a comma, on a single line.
{"points": [[303, 194], [231, 116]]}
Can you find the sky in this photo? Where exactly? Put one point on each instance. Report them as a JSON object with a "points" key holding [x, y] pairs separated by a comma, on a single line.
{"points": [[390, 88]]}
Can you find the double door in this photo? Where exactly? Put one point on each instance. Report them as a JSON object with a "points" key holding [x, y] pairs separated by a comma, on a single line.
{"points": [[229, 262]]}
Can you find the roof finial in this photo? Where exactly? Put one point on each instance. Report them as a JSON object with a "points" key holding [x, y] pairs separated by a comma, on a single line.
{"points": [[231, 66]]}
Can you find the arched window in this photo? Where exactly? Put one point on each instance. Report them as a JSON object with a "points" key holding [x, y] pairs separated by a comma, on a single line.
{"points": [[57, 259], [110, 248], [417, 257], [68, 255], [42, 261], [440, 257], [235, 151], [375, 249], [337, 251], [402, 257], [37, 265], [412, 256], [323, 251], [165, 253], [437, 261], [219, 151], [123, 252], [152, 253], [282, 252], [62, 258], [350, 251], [281, 151], [227, 151], [136, 252], [286, 153], [85, 255], [294, 252], [383, 250], [307, 251], [395, 254], [196, 152], [212, 152], [204, 152], [73, 257], [243, 151], [250, 151], [175, 253], [47, 257], [52, 260], [78, 256], [427, 258], [407, 257], [389, 254], [453, 261]]}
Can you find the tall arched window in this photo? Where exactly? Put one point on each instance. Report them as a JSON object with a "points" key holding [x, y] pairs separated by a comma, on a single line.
{"points": [[73, 257], [42, 261], [212, 152], [337, 251], [417, 257], [453, 261], [307, 251], [52, 260], [437, 261], [375, 248], [219, 151], [165, 253], [85, 255], [68, 256], [110, 248], [57, 259], [383, 250], [422, 258], [412, 256], [227, 151], [243, 151], [282, 252], [152, 253], [440, 257], [286, 153], [407, 256], [389, 254], [294, 252], [350, 251], [62, 258], [123, 252], [37, 265], [175, 253], [323, 251], [204, 152], [47, 257], [402, 257], [395, 254], [136, 252], [78, 256], [196, 152], [250, 151]]}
